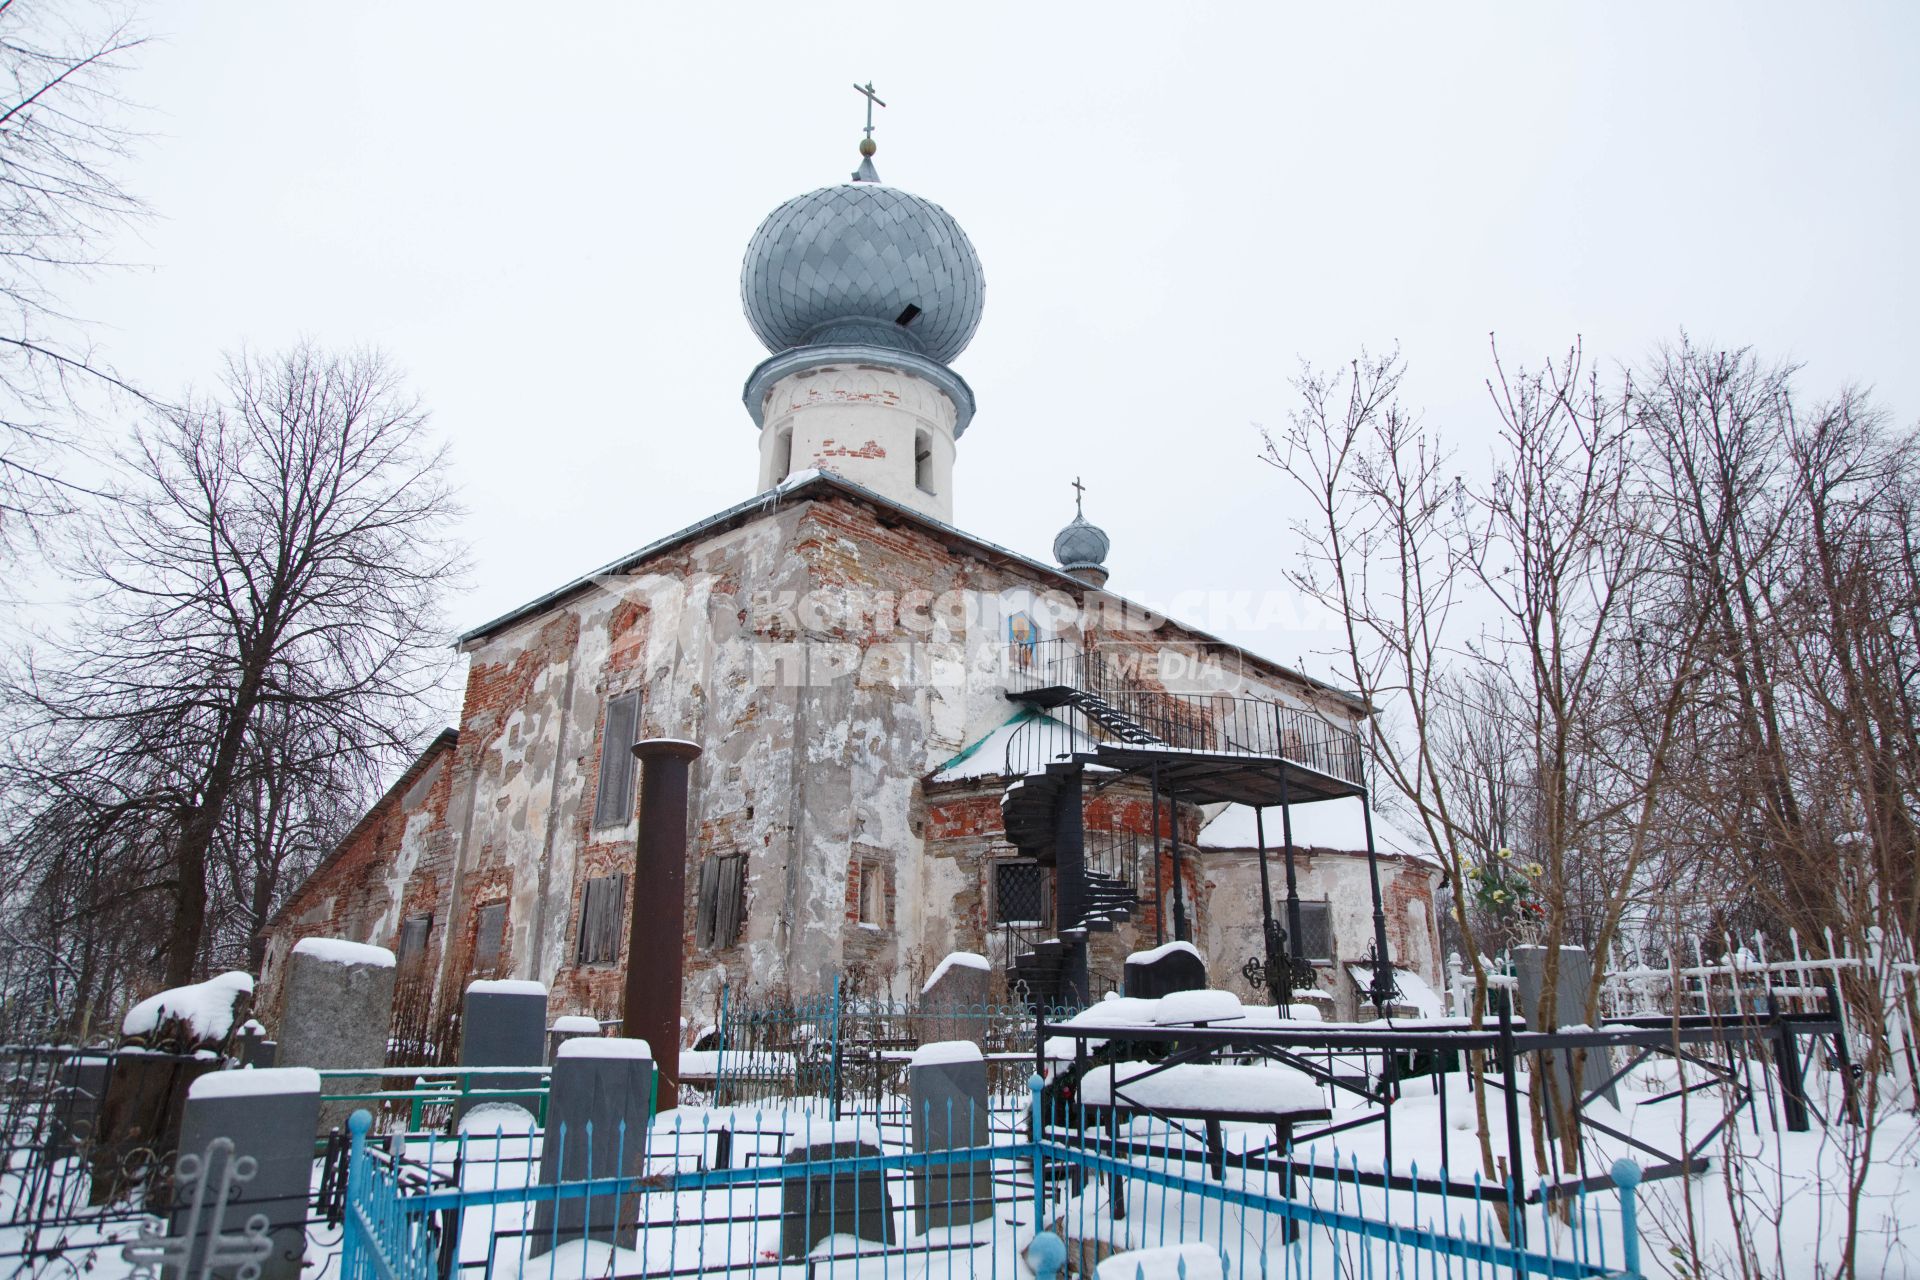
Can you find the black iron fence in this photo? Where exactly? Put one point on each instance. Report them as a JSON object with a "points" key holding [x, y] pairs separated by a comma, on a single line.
{"points": [[86, 1149], [839, 1054]]}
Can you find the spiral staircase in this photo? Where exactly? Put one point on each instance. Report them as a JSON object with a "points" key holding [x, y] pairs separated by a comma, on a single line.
{"points": [[1089, 728]]}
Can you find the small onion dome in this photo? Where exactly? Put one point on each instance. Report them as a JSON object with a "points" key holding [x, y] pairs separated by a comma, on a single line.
{"points": [[1081, 545]]}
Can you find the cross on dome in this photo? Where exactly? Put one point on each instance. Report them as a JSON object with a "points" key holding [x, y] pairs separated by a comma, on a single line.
{"points": [[1081, 548], [866, 172]]}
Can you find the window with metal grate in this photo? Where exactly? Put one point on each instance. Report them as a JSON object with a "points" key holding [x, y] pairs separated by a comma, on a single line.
{"points": [[1316, 931], [1020, 893], [413, 937]]}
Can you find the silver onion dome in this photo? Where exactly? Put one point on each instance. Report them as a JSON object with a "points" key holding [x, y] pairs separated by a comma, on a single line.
{"points": [[863, 259], [1081, 545]]}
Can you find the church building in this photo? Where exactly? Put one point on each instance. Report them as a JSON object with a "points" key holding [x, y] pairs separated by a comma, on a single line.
{"points": [[912, 741]]}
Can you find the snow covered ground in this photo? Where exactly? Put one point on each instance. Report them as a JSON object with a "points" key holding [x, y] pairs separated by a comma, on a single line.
{"points": [[1770, 1203]]}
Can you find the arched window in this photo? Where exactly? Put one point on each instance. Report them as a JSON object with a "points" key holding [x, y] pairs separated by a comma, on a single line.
{"points": [[783, 455], [923, 461]]}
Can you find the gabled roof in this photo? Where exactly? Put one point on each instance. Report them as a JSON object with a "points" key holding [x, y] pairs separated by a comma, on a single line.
{"points": [[809, 485]]}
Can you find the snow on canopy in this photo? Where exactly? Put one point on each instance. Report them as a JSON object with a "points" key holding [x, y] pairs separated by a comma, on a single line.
{"points": [[1162, 951], [1324, 824], [205, 1009]]}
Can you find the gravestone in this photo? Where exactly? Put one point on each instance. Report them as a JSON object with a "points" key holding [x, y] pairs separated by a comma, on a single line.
{"points": [[337, 1011], [948, 1093], [253, 1048], [569, 1027], [954, 1000], [269, 1115], [1165, 970], [823, 1202], [597, 1115], [83, 1082], [504, 1025], [167, 1042], [1569, 1009]]}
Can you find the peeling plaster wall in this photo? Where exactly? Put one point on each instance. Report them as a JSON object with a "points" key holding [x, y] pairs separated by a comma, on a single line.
{"points": [[819, 712], [1229, 931]]}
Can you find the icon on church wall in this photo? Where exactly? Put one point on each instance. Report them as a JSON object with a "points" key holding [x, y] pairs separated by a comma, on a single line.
{"points": [[1022, 639]]}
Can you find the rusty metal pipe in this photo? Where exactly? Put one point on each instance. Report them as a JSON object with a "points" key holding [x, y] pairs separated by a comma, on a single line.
{"points": [[656, 945]]}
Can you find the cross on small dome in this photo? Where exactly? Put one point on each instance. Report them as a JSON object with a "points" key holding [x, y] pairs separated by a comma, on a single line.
{"points": [[1081, 547]]}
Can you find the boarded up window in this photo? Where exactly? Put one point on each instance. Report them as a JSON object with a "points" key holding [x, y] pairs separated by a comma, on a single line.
{"points": [[413, 936], [721, 902], [602, 909], [1316, 931], [489, 938], [613, 802], [1020, 894]]}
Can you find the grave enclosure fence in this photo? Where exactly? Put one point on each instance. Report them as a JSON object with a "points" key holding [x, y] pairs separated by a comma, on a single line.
{"points": [[839, 1054], [1067, 1190]]}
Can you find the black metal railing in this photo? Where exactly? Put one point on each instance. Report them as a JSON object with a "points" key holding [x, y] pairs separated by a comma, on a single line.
{"points": [[1211, 723], [1118, 855]]}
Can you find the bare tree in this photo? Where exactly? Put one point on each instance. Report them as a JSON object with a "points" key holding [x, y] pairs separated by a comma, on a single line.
{"points": [[265, 602], [61, 138]]}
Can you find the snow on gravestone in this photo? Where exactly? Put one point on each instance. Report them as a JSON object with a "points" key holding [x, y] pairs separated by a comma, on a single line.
{"points": [[1164, 970], [818, 1203], [504, 1025], [596, 1128], [571, 1026], [337, 1011], [948, 1094], [269, 1115], [168, 1041], [953, 1001]]}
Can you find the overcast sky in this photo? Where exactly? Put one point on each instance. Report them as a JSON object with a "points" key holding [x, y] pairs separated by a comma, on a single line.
{"points": [[540, 210]]}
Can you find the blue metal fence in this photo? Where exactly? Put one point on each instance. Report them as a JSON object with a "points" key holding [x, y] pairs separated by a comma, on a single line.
{"points": [[828, 1198]]}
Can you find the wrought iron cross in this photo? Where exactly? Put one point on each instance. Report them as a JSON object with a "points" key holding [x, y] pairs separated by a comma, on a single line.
{"points": [[1079, 490], [866, 91]]}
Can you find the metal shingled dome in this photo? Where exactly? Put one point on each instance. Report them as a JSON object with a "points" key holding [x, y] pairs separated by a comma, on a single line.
{"points": [[862, 251], [1081, 545]]}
